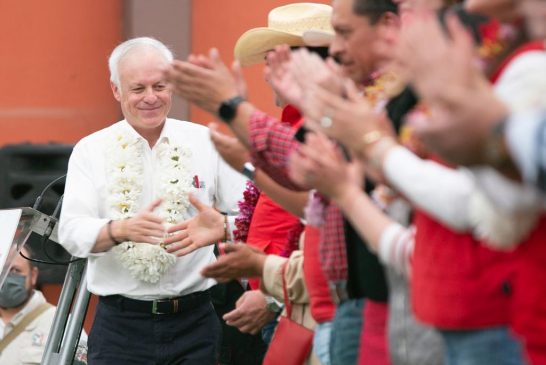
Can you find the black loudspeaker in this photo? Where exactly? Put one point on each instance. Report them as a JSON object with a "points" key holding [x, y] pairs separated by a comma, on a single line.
{"points": [[25, 170]]}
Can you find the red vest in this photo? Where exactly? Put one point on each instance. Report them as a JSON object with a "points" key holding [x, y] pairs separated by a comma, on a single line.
{"points": [[322, 306], [529, 315], [529, 308], [457, 283]]}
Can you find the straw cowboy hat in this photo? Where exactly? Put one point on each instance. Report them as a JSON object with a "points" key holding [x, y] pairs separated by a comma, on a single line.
{"points": [[299, 24]]}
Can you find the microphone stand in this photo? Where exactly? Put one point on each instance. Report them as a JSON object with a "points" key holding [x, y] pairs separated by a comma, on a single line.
{"points": [[64, 335], [18, 223]]}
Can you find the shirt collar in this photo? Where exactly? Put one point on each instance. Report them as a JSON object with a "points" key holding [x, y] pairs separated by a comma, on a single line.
{"points": [[164, 136]]}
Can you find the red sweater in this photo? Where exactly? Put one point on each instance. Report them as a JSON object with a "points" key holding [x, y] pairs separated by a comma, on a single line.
{"points": [[457, 283], [322, 306], [529, 315], [529, 309]]}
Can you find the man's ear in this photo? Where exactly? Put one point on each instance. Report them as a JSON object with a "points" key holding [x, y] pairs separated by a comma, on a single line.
{"points": [[389, 19], [34, 276], [116, 91]]}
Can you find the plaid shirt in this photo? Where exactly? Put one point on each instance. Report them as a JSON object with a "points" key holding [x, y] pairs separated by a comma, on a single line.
{"points": [[272, 143]]}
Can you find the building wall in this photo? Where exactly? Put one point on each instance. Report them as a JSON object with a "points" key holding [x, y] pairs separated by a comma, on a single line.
{"points": [[53, 69], [219, 23], [53, 54]]}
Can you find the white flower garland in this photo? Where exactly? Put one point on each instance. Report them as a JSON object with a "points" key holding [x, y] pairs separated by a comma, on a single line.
{"points": [[146, 262]]}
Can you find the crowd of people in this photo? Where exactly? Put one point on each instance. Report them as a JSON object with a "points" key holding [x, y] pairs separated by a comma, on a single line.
{"points": [[394, 210], [421, 149]]}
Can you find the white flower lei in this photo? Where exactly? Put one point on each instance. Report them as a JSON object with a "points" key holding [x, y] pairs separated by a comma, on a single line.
{"points": [[146, 262]]}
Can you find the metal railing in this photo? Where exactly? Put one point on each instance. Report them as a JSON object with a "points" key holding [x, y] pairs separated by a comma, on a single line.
{"points": [[66, 329]]}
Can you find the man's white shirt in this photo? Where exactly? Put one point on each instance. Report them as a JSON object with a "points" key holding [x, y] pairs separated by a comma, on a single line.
{"points": [[85, 208]]}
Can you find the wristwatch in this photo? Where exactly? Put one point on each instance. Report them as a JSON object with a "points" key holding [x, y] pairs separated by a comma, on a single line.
{"points": [[272, 304], [228, 108], [249, 171]]}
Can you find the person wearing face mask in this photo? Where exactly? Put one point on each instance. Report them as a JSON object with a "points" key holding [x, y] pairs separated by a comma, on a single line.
{"points": [[25, 313]]}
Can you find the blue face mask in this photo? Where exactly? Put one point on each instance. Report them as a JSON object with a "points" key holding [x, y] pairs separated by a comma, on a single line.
{"points": [[13, 292]]}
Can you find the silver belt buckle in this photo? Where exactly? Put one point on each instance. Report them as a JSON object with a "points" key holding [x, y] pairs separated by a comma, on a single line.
{"points": [[156, 301]]}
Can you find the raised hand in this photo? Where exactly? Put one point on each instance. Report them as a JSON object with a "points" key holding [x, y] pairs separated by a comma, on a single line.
{"points": [[349, 121], [308, 68], [240, 260], [432, 58], [231, 150], [203, 81], [205, 228], [280, 78], [320, 164], [463, 114]]}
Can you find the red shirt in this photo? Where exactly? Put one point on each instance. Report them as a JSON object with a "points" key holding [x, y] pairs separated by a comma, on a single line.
{"points": [[269, 229]]}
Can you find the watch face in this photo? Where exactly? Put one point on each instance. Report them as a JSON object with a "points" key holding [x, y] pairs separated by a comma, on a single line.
{"points": [[228, 108], [226, 112], [272, 306]]}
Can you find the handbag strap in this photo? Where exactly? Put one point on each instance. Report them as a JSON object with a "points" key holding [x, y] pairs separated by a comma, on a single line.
{"points": [[287, 303], [20, 327]]}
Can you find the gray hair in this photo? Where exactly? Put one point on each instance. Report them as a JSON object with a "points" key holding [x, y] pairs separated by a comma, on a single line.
{"points": [[121, 50]]}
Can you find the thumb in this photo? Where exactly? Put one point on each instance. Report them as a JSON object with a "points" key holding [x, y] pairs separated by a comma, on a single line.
{"points": [[214, 57], [240, 301], [231, 247], [213, 130], [239, 78], [213, 127], [352, 92], [196, 203], [153, 205]]}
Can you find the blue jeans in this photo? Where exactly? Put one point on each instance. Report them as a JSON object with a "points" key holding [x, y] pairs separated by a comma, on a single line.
{"points": [[321, 342], [346, 329], [268, 330], [493, 346]]}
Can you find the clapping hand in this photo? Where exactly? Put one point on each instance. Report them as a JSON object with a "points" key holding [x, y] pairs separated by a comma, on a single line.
{"points": [[240, 260], [320, 164], [230, 148], [205, 228], [207, 82], [145, 227]]}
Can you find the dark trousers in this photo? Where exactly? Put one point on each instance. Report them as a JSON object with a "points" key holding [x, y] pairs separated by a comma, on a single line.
{"points": [[237, 348], [121, 337]]}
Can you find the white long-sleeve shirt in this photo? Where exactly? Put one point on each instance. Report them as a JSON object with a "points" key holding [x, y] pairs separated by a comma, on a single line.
{"points": [[86, 209]]}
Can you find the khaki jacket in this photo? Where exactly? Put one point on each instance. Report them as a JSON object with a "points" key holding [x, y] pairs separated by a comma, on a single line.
{"points": [[271, 284]]}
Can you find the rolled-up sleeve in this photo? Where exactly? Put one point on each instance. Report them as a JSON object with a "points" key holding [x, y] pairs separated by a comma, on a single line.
{"points": [[272, 143]]}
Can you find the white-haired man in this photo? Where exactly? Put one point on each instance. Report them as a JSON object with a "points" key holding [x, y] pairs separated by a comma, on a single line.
{"points": [[125, 185]]}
